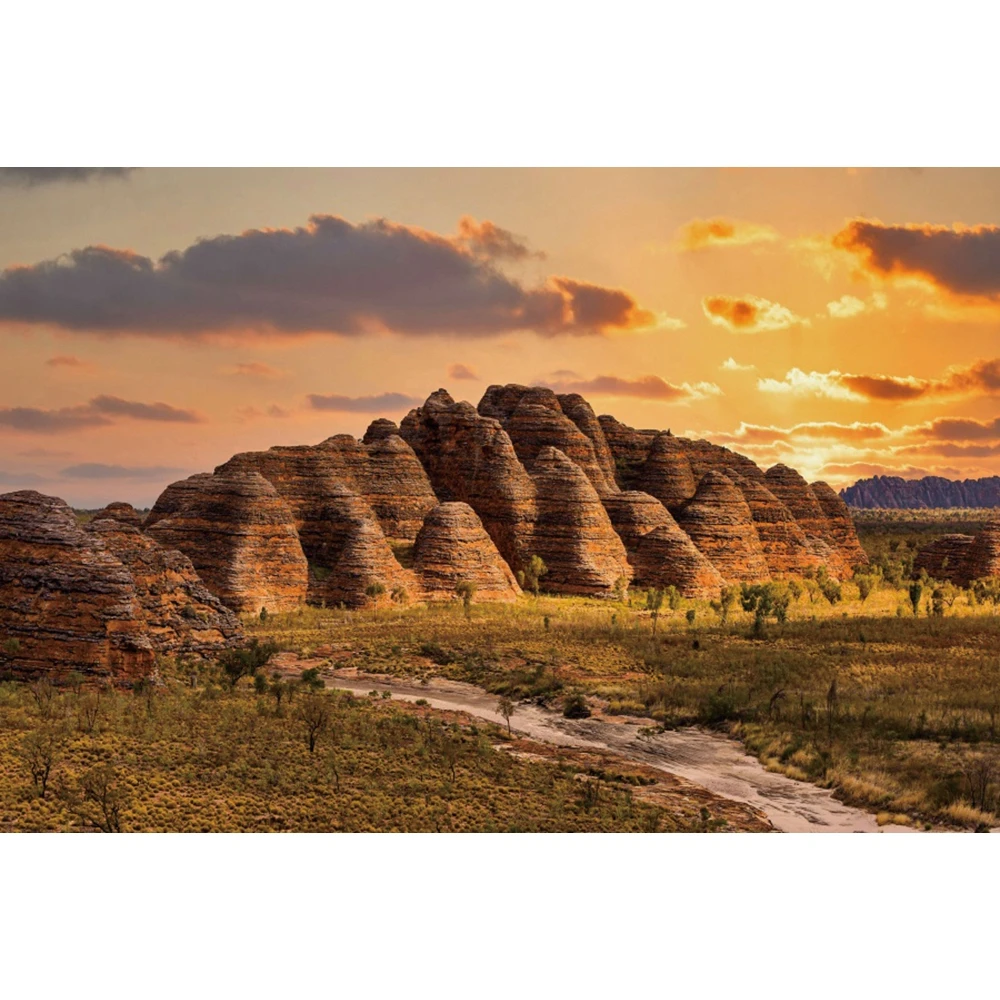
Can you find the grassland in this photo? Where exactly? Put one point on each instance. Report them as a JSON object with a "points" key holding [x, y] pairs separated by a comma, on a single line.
{"points": [[191, 754], [898, 711]]}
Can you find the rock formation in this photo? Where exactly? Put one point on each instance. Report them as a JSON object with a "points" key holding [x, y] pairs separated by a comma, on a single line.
{"points": [[66, 603], [534, 419], [946, 558], [470, 458], [842, 534], [453, 546], [543, 476], [629, 449], [572, 531], [794, 492], [786, 549], [239, 534], [893, 492], [180, 613], [720, 523], [984, 552], [660, 553], [667, 474]]}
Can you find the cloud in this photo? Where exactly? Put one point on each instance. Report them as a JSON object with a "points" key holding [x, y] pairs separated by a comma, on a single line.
{"points": [[811, 431], [732, 365], [701, 233], [982, 378], [861, 470], [97, 470], [246, 413], [642, 387], [848, 306], [462, 373], [43, 453], [387, 402], [489, 240], [949, 449], [748, 313], [328, 276], [98, 412], [958, 429], [67, 361], [963, 261], [21, 479], [254, 369], [35, 176]]}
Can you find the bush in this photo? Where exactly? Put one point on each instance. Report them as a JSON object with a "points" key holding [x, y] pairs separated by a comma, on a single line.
{"points": [[576, 707]]}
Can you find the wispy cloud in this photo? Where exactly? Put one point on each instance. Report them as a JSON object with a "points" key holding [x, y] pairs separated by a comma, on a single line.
{"points": [[698, 234], [254, 369], [386, 402], [100, 411], [461, 373], [732, 365], [98, 470], [36, 176], [642, 387]]}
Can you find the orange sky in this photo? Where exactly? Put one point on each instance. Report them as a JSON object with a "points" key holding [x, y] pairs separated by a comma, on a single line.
{"points": [[845, 322]]}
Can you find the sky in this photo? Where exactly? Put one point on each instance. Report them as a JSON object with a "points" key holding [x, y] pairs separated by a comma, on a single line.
{"points": [[154, 322]]}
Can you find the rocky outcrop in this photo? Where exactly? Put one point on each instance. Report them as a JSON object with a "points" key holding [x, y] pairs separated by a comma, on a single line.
{"points": [[240, 536], [707, 457], [660, 553], [842, 534], [453, 547], [667, 474], [572, 531], [582, 414], [984, 552], [534, 419], [786, 549], [893, 492], [379, 430], [180, 613], [946, 558], [385, 473], [470, 458], [667, 557], [629, 449], [66, 603], [720, 523], [794, 492]]}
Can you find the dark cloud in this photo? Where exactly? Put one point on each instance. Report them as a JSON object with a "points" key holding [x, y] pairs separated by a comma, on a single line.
{"points": [[326, 277], [642, 387], [959, 429], [97, 470], [43, 453], [964, 261], [99, 412], [462, 373], [814, 431], [386, 402], [34, 176]]}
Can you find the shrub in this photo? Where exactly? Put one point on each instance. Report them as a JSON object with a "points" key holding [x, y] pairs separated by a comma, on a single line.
{"points": [[576, 707]]}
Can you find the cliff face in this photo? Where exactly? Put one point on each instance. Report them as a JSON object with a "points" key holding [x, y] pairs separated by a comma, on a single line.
{"points": [[101, 601], [931, 491]]}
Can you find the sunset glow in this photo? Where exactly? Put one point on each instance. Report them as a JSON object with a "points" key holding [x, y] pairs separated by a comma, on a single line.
{"points": [[154, 322]]}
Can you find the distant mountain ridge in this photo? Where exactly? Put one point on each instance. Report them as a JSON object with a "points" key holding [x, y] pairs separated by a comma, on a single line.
{"points": [[931, 491]]}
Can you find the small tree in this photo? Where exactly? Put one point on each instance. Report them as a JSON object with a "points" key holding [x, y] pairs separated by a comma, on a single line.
{"points": [[505, 707], [246, 661], [654, 601], [532, 574], [466, 589], [101, 798], [373, 592], [916, 591], [865, 586], [690, 616], [311, 679], [314, 713], [40, 751], [399, 596]]}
